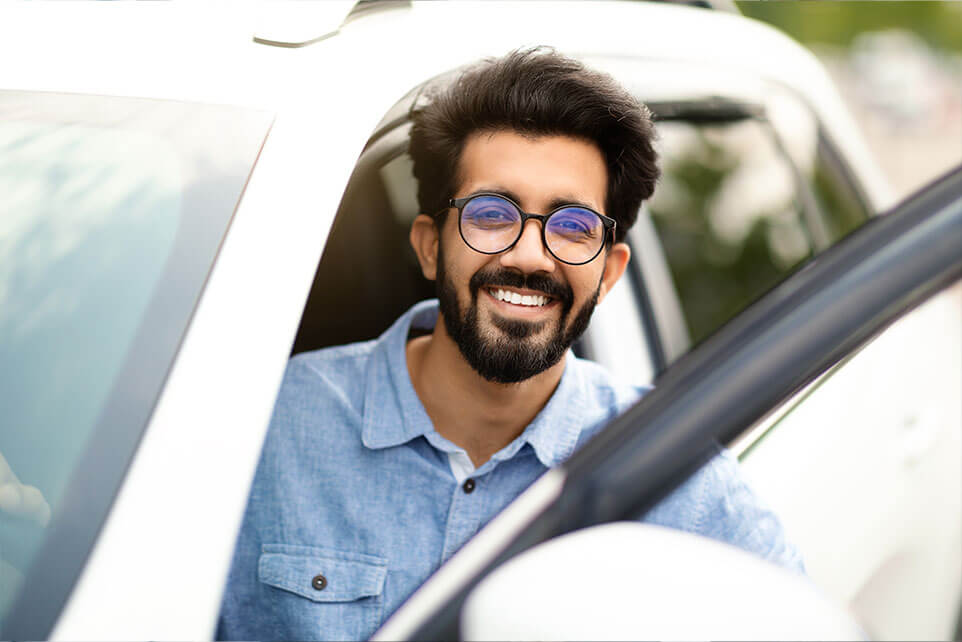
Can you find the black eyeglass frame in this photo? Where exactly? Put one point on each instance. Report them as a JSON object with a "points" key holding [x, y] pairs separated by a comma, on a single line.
{"points": [[609, 224]]}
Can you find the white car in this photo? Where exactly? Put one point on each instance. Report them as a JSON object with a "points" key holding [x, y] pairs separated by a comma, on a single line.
{"points": [[171, 175]]}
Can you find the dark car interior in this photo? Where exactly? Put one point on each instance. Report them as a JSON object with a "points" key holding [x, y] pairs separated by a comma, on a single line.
{"points": [[368, 273]]}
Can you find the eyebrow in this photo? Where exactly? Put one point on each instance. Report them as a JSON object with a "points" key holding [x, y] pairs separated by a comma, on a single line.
{"points": [[557, 202]]}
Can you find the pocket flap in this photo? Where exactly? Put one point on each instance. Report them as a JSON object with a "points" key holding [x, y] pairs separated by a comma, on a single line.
{"points": [[346, 576]]}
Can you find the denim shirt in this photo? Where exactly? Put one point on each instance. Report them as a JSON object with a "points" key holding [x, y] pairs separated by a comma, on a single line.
{"points": [[354, 503]]}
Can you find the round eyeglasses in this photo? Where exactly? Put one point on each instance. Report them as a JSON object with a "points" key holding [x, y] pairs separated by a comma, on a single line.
{"points": [[491, 224]]}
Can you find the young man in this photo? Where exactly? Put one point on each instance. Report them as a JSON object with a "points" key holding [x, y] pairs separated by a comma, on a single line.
{"points": [[384, 457]]}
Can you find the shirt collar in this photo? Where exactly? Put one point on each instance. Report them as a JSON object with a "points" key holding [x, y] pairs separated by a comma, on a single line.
{"points": [[393, 413]]}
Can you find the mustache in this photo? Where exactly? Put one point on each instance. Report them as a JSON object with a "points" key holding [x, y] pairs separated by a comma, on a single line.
{"points": [[495, 277]]}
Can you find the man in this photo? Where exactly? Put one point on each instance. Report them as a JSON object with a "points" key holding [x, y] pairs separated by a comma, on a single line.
{"points": [[384, 457]]}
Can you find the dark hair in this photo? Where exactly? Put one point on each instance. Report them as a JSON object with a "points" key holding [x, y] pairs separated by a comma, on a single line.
{"points": [[536, 92]]}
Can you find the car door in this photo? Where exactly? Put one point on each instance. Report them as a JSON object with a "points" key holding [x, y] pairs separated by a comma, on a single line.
{"points": [[863, 468], [808, 324]]}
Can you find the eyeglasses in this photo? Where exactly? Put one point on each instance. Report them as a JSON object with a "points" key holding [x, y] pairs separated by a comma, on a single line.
{"points": [[491, 224]]}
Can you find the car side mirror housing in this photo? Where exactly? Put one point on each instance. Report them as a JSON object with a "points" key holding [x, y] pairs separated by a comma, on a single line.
{"points": [[632, 581]]}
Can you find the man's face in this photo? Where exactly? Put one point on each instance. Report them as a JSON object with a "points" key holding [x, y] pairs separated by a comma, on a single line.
{"points": [[509, 342]]}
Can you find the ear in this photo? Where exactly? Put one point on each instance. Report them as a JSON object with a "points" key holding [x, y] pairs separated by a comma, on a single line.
{"points": [[424, 240], [616, 260]]}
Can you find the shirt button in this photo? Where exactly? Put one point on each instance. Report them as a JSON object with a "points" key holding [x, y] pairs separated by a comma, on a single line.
{"points": [[468, 485], [319, 582]]}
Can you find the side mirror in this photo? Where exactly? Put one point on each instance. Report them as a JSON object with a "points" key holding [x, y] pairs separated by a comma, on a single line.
{"points": [[630, 581]]}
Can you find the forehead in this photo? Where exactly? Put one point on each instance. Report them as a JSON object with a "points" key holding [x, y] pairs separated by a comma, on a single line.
{"points": [[535, 170]]}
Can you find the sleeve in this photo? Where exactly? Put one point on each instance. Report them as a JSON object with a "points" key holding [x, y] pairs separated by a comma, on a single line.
{"points": [[717, 502]]}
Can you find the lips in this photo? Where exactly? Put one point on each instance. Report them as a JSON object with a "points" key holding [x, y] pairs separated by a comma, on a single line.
{"points": [[531, 290]]}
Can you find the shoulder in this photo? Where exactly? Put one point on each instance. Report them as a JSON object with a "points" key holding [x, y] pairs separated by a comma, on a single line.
{"points": [[605, 396], [332, 363], [336, 371], [603, 388], [320, 391]]}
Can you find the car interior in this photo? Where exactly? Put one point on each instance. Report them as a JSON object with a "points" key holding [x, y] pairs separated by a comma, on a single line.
{"points": [[368, 271], [687, 277]]}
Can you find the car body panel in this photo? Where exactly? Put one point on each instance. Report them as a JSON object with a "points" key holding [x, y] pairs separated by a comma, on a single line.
{"points": [[896, 403]]}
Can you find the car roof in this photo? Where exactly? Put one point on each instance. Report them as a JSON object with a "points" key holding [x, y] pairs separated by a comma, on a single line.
{"points": [[199, 52], [168, 50]]}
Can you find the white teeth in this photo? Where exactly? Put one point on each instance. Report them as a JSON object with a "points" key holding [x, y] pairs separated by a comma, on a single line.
{"points": [[519, 299]]}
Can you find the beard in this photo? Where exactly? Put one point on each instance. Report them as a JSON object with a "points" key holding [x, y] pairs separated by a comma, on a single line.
{"points": [[513, 354]]}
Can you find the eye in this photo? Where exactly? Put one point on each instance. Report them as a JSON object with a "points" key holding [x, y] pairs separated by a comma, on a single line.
{"points": [[574, 225], [492, 214], [489, 212]]}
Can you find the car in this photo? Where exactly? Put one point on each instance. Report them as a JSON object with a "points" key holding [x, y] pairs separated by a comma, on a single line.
{"points": [[191, 195]]}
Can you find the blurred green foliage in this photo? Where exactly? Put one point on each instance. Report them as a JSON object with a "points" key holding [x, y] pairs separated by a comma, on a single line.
{"points": [[837, 23]]}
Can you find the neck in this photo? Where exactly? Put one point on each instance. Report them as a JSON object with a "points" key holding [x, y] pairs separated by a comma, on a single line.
{"points": [[478, 415]]}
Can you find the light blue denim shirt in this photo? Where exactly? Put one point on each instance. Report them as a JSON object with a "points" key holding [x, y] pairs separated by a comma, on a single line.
{"points": [[354, 503]]}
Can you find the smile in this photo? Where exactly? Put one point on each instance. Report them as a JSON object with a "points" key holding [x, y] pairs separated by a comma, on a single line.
{"points": [[517, 298]]}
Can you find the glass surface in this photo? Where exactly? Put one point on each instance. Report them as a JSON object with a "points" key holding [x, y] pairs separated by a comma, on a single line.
{"points": [[90, 215], [98, 197], [492, 224], [730, 213], [838, 205], [574, 234]]}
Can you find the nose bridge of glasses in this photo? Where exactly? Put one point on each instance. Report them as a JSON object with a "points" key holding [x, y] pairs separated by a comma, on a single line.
{"points": [[530, 246], [532, 225]]}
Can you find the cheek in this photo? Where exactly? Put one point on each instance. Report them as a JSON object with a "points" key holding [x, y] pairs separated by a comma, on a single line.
{"points": [[584, 284], [460, 267]]}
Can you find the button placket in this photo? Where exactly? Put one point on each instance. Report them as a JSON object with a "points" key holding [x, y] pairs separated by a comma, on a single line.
{"points": [[464, 516]]}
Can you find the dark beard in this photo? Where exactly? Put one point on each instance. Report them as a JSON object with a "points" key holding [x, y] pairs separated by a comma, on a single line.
{"points": [[507, 359]]}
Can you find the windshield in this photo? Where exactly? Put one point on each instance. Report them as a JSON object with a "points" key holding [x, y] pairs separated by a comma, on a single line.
{"points": [[112, 211]]}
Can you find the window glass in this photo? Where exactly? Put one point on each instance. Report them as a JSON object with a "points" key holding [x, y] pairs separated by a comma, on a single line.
{"points": [[833, 208], [107, 206], [728, 216], [839, 206], [91, 215], [734, 215]]}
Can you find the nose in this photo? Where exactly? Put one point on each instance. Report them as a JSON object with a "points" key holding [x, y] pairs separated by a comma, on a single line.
{"points": [[529, 254]]}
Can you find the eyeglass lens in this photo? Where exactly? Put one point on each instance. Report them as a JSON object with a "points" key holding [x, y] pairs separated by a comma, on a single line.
{"points": [[491, 224]]}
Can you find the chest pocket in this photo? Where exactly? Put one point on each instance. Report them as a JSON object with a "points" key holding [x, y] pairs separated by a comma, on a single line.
{"points": [[322, 593]]}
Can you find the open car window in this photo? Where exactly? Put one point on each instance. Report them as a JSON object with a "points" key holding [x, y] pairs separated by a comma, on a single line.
{"points": [[806, 325], [713, 238]]}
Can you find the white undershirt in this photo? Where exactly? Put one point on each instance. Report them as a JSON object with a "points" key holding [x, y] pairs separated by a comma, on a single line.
{"points": [[461, 466]]}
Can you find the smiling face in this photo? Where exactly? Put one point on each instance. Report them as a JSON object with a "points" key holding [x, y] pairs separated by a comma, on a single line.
{"points": [[514, 314]]}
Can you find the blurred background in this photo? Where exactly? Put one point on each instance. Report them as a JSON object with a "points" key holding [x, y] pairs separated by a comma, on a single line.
{"points": [[899, 67]]}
